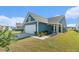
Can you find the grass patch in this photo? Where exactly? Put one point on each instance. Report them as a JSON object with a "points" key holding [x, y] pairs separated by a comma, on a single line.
{"points": [[62, 42]]}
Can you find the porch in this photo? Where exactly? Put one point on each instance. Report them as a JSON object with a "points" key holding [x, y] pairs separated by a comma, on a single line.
{"points": [[57, 28]]}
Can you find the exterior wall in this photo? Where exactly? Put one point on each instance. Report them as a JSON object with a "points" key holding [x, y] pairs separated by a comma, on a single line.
{"points": [[50, 29], [41, 27], [30, 21], [44, 27], [77, 25], [63, 22], [33, 23]]}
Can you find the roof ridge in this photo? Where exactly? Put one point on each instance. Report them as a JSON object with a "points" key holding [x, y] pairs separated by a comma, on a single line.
{"points": [[38, 17], [57, 16], [36, 14]]}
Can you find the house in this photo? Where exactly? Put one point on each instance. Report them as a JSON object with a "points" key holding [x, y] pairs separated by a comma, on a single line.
{"points": [[71, 28], [19, 26], [34, 23], [2, 27], [77, 25]]}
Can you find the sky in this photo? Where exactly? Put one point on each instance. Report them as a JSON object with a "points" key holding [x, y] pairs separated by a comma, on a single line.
{"points": [[10, 15]]}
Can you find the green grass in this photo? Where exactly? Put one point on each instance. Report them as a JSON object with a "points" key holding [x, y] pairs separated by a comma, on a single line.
{"points": [[68, 41], [16, 32]]}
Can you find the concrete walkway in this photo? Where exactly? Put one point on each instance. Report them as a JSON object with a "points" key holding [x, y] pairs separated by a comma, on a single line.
{"points": [[41, 38], [44, 37]]}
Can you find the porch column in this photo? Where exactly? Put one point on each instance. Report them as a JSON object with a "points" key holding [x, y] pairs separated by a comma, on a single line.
{"points": [[37, 27], [57, 28], [53, 28], [61, 28]]}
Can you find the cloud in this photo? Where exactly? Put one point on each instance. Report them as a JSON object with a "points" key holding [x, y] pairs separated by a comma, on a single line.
{"points": [[72, 16], [10, 21], [71, 25], [72, 13]]}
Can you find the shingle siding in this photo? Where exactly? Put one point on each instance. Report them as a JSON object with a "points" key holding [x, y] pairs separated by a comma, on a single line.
{"points": [[55, 20], [42, 27], [31, 24], [63, 22], [77, 25], [45, 27], [45, 24]]}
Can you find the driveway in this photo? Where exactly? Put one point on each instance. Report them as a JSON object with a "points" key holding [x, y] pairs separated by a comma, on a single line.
{"points": [[23, 35]]}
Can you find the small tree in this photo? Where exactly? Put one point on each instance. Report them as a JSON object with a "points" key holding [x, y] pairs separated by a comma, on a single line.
{"points": [[6, 37]]}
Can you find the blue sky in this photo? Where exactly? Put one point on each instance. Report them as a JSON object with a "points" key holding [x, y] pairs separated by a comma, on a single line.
{"points": [[13, 14], [46, 11]]}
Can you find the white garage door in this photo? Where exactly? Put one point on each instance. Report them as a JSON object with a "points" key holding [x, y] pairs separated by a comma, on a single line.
{"points": [[31, 29]]}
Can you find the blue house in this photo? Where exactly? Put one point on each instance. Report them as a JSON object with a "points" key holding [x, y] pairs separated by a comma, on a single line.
{"points": [[34, 23]]}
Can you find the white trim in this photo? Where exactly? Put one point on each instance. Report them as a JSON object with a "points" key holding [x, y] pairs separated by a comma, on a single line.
{"points": [[37, 27], [54, 28], [61, 28], [57, 28], [30, 22]]}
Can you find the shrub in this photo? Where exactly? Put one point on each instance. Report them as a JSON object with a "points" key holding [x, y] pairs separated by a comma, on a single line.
{"points": [[77, 31], [41, 34], [35, 33], [6, 37], [46, 32]]}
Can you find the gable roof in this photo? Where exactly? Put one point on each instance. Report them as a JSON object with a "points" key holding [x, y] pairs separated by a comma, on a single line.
{"points": [[51, 20], [55, 19], [38, 18]]}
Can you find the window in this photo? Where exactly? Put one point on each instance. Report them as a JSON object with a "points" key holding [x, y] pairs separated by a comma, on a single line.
{"points": [[32, 19], [29, 19]]}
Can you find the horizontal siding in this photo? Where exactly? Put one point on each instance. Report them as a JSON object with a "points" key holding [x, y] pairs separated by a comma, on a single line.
{"points": [[44, 27], [34, 23], [63, 22]]}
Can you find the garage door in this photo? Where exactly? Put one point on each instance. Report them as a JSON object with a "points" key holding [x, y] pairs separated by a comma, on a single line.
{"points": [[31, 29]]}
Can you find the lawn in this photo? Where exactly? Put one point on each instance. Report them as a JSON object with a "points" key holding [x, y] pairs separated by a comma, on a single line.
{"points": [[68, 41]]}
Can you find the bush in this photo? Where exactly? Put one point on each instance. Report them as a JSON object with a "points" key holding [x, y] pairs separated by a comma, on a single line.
{"points": [[77, 31], [6, 37], [41, 34], [35, 33], [46, 32]]}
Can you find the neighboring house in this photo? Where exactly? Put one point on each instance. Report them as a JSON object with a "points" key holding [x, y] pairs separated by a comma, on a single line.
{"points": [[19, 26], [77, 25], [9, 28], [34, 23], [1, 27], [71, 28]]}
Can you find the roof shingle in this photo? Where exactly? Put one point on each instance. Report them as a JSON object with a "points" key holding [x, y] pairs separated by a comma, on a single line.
{"points": [[55, 19], [38, 18], [51, 20]]}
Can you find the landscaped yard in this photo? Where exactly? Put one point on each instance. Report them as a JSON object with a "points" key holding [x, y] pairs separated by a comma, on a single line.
{"points": [[68, 41]]}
